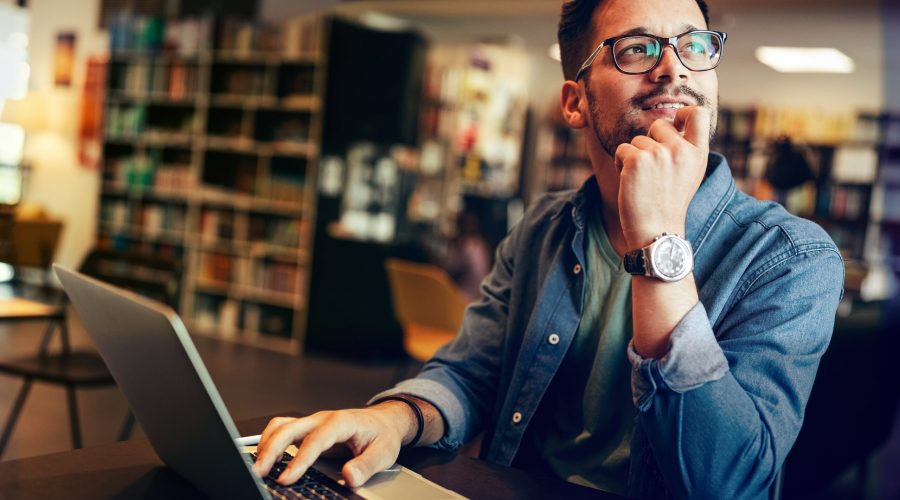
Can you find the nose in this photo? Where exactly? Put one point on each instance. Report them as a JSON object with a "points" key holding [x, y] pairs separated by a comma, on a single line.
{"points": [[669, 67]]}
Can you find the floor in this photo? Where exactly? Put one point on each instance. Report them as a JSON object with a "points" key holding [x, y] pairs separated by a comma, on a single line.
{"points": [[252, 382]]}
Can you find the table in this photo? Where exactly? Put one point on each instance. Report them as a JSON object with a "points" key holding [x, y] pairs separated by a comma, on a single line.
{"points": [[132, 470]]}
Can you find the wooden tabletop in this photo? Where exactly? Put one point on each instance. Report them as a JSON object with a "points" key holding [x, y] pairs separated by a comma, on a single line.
{"points": [[132, 470]]}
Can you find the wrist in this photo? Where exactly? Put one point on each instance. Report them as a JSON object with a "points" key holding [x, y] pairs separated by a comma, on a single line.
{"points": [[641, 237], [407, 412]]}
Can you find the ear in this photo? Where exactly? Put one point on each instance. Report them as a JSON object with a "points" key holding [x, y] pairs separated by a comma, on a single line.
{"points": [[574, 107]]}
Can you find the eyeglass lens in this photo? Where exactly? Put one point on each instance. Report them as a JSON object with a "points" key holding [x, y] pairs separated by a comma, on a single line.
{"points": [[697, 51]]}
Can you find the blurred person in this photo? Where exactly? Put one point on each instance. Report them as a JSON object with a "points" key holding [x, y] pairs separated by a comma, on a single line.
{"points": [[654, 333]]}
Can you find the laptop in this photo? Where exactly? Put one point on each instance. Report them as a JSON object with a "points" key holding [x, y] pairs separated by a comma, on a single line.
{"points": [[156, 365]]}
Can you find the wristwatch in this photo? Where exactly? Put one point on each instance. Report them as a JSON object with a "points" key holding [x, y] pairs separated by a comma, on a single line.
{"points": [[668, 258]]}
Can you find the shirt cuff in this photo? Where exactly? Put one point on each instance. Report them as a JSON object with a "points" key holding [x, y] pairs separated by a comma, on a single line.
{"points": [[442, 399], [694, 358]]}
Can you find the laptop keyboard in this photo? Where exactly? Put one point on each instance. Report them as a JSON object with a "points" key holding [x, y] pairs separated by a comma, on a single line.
{"points": [[314, 484]]}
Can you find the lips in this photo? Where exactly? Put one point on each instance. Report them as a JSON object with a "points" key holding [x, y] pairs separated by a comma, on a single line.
{"points": [[665, 103]]}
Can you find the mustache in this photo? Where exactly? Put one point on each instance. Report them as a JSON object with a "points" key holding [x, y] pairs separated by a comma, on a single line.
{"points": [[669, 91]]}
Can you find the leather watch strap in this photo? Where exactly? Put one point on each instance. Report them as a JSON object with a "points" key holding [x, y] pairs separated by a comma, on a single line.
{"points": [[634, 262]]}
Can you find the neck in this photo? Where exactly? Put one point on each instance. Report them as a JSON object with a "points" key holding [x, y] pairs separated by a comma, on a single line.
{"points": [[608, 180]]}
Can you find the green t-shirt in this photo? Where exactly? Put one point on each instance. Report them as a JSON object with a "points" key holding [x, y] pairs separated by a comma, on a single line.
{"points": [[582, 429]]}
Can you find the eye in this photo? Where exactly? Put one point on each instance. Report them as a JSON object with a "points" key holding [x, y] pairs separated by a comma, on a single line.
{"points": [[636, 49], [693, 47]]}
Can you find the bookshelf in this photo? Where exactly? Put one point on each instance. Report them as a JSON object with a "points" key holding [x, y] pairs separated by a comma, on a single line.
{"points": [[212, 133]]}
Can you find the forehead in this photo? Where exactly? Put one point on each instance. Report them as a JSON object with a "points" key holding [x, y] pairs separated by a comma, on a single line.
{"points": [[659, 17]]}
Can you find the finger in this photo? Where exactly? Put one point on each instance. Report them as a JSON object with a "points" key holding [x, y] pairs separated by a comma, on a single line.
{"points": [[375, 458], [316, 442], [281, 438], [273, 425], [694, 122], [664, 132], [623, 152], [645, 143]]}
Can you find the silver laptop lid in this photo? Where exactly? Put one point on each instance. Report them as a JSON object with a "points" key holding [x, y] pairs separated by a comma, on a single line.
{"points": [[151, 356]]}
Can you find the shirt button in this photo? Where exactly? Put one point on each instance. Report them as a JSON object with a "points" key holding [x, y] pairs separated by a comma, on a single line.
{"points": [[517, 417], [553, 339], [576, 269]]}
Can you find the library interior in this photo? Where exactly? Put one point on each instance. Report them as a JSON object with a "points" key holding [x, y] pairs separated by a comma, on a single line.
{"points": [[319, 188]]}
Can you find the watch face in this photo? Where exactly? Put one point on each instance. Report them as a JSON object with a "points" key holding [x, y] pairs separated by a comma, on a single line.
{"points": [[672, 257]]}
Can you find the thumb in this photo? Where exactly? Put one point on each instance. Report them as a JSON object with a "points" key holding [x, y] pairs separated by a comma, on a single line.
{"points": [[693, 122], [375, 458]]}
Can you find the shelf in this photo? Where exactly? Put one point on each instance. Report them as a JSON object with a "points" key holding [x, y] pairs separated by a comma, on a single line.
{"points": [[196, 119], [270, 58], [246, 293], [153, 138], [139, 233], [127, 56], [247, 146], [269, 297], [251, 249], [242, 100], [251, 203], [250, 338], [151, 98], [213, 287], [140, 193]]}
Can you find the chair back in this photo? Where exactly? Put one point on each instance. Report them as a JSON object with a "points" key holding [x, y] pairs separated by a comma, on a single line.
{"points": [[424, 295], [35, 242], [148, 275]]}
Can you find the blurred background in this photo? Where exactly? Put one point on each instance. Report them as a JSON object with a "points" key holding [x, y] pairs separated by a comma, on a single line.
{"points": [[327, 181]]}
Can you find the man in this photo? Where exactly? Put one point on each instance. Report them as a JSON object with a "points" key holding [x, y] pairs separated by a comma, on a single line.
{"points": [[599, 352]]}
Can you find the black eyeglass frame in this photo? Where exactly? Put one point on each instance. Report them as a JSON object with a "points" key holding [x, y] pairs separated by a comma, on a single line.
{"points": [[663, 43]]}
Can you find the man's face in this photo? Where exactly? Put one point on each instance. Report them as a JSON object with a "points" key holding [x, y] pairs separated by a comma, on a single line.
{"points": [[622, 106]]}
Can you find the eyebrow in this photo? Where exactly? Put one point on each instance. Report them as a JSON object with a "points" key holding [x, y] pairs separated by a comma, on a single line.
{"points": [[643, 30]]}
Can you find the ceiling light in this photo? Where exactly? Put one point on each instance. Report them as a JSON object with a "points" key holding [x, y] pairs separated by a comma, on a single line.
{"points": [[553, 52], [805, 60]]}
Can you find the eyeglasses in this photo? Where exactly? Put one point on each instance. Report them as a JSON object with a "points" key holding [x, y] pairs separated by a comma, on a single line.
{"points": [[637, 54]]}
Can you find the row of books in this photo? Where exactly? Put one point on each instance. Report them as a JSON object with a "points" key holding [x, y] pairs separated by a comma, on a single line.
{"points": [[815, 125], [175, 79], [254, 275], [287, 187], [276, 231], [836, 202], [125, 121], [142, 172], [282, 277], [130, 32], [134, 32], [227, 316], [216, 224], [154, 220]]}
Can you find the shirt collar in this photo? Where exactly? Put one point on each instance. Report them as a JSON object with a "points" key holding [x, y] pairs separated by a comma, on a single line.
{"points": [[713, 195]]}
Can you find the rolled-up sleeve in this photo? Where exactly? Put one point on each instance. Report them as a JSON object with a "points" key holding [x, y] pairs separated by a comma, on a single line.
{"points": [[724, 406], [694, 358]]}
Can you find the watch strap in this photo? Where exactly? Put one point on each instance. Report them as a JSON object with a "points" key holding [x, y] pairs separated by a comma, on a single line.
{"points": [[634, 262]]}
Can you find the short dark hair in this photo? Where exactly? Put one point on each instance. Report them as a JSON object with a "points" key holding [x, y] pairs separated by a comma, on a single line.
{"points": [[575, 32]]}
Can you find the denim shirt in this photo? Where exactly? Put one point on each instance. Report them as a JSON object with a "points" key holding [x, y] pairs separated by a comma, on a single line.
{"points": [[719, 412]]}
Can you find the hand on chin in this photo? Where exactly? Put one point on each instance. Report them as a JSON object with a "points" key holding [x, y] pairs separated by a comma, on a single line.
{"points": [[660, 172]]}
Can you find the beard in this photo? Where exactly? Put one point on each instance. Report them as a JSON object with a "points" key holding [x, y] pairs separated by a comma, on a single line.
{"points": [[628, 126]]}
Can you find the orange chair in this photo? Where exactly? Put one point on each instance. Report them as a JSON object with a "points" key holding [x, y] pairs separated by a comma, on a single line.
{"points": [[427, 303]]}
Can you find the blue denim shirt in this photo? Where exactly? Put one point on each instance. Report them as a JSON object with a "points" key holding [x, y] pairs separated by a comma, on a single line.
{"points": [[719, 412]]}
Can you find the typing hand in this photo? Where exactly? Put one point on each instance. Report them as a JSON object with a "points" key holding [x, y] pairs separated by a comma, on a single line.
{"points": [[659, 174], [373, 435]]}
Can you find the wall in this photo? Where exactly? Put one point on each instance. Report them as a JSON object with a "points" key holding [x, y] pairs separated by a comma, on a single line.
{"points": [[858, 33], [65, 189]]}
